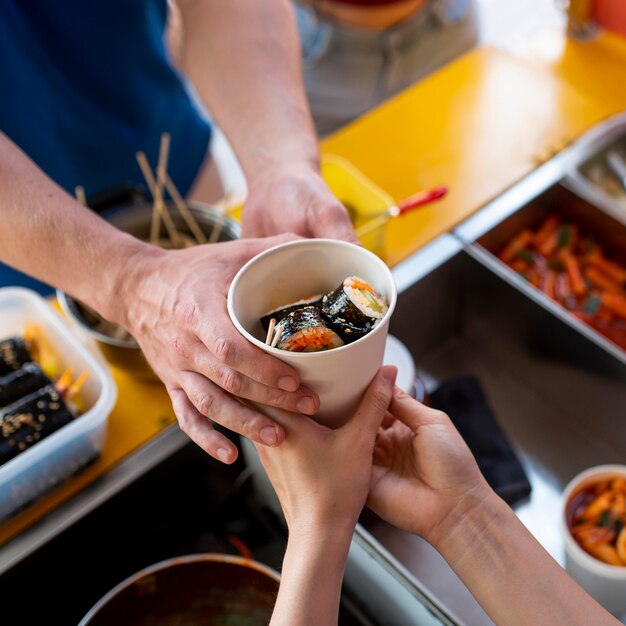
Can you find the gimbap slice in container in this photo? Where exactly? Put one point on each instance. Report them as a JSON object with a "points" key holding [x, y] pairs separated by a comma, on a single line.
{"points": [[281, 312], [14, 353], [356, 302], [306, 330], [30, 419], [21, 382]]}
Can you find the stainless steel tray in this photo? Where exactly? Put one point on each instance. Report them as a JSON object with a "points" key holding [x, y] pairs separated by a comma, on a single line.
{"points": [[588, 163], [488, 231], [557, 393]]}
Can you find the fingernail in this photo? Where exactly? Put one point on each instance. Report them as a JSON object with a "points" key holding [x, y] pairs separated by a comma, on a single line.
{"points": [[223, 455], [389, 373], [269, 436], [306, 405], [288, 383]]}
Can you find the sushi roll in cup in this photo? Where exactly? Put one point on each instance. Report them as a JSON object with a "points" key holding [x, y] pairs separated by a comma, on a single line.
{"points": [[291, 272], [306, 330]]}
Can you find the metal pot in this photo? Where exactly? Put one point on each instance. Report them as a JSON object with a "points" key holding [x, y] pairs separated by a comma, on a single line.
{"points": [[123, 351], [193, 590]]}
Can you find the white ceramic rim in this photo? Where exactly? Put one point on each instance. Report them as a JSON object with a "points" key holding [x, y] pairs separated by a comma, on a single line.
{"points": [[588, 476], [307, 355], [177, 560]]}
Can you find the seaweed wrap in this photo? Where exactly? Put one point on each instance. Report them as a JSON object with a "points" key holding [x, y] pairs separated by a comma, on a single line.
{"points": [[20, 383], [30, 419], [14, 353], [354, 308], [347, 331], [281, 312], [306, 330]]}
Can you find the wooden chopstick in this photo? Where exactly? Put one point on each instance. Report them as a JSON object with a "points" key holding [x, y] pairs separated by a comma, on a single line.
{"points": [[183, 209], [158, 208], [277, 335], [270, 331]]}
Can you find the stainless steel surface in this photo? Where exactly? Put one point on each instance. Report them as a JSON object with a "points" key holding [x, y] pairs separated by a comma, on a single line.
{"points": [[595, 143], [123, 474], [425, 261], [618, 166], [386, 589], [558, 396]]}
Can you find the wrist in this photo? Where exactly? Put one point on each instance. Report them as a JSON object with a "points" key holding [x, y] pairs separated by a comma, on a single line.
{"points": [[130, 265], [283, 164], [321, 529], [468, 524]]}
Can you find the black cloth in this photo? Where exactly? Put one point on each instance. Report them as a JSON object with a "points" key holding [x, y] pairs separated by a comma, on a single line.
{"points": [[464, 400]]}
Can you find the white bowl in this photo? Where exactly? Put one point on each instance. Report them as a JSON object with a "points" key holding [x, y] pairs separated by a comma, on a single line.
{"points": [[298, 269], [606, 583]]}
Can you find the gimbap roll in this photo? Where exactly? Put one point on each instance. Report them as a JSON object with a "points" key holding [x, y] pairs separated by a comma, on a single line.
{"points": [[13, 354], [306, 330], [347, 331], [20, 383], [355, 302], [30, 419], [281, 312]]}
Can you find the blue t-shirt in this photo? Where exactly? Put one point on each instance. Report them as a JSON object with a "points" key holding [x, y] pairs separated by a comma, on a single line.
{"points": [[87, 83]]}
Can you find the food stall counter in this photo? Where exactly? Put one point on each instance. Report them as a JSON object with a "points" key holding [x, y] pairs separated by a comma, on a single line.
{"points": [[478, 126]]}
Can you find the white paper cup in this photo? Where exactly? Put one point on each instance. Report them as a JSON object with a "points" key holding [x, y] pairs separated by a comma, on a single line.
{"points": [[606, 583], [296, 270]]}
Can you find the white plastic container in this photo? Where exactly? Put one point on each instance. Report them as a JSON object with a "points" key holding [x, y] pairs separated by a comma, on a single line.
{"points": [[64, 452]]}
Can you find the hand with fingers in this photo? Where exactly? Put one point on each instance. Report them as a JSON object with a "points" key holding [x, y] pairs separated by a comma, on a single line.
{"points": [[300, 202], [423, 471], [174, 304], [426, 481], [322, 477]]}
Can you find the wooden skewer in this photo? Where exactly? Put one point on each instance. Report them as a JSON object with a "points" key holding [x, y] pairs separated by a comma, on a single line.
{"points": [[159, 208], [277, 334], [183, 209], [80, 194], [270, 331]]}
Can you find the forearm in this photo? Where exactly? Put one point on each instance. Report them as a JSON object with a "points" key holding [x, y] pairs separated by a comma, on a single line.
{"points": [[510, 574], [312, 575], [44, 232], [243, 59]]}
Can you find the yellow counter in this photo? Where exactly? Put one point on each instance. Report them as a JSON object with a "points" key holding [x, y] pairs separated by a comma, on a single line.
{"points": [[477, 126]]}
